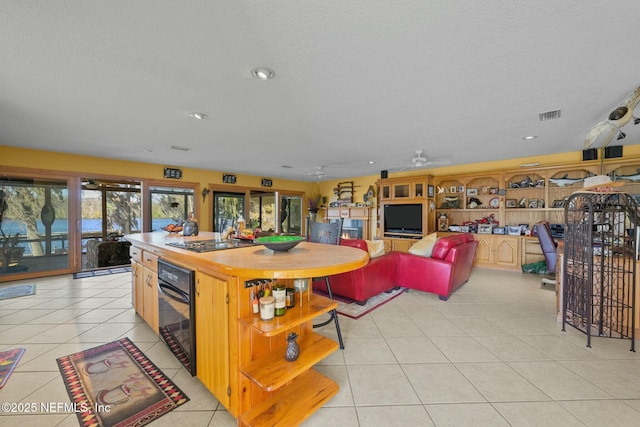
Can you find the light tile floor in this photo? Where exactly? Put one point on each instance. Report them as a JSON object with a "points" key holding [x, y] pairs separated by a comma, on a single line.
{"points": [[493, 355]]}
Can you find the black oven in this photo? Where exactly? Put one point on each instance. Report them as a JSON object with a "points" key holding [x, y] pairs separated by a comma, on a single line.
{"points": [[176, 312]]}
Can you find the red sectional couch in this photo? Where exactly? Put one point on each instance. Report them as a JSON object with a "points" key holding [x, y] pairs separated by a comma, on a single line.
{"points": [[448, 268]]}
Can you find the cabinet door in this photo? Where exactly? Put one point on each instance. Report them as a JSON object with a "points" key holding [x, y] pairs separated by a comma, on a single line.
{"points": [[484, 250], [137, 287], [150, 296], [506, 251], [403, 245], [212, 335]]}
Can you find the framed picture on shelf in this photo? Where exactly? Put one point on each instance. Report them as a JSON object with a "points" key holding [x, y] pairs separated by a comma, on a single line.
{"points": [[472, 191], [460, 188], [511, 203], [453, 189], [430, 190], [533, 203], [493, 190], [558, 203], [485, 228]]}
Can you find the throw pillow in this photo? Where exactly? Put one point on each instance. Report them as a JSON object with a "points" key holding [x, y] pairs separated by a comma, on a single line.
{"points": [[376, 248], [424, 246]]}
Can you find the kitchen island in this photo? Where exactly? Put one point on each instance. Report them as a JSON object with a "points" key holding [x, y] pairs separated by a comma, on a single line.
{"points": [[239, 357]]}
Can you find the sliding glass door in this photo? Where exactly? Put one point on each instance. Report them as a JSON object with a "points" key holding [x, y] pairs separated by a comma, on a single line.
{"points": [[34, 225]]}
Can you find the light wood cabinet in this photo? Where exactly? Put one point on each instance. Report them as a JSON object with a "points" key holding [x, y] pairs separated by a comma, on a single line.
{"points": [[409, 188], [137, 287], [399, 245], [212, 334], [497, 251], [144, 286]]}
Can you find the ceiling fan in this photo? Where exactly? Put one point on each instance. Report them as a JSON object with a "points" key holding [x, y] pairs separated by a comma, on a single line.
{"points": [[319, 173], [420, 160], [619, 117]]}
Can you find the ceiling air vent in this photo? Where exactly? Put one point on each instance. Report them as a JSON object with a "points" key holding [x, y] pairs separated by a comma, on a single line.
{"points": [[549, 115], [179, 148]]}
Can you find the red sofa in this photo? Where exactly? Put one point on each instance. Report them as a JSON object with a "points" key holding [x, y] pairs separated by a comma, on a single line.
{"points": [[448, 268]]}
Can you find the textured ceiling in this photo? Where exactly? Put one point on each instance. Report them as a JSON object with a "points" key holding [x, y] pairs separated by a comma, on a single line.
{"points": [[356, 80]]}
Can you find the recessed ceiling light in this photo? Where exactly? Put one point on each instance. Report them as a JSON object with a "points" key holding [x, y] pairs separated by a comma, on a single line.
{"points": [[371, 162], [263, 73], [198, 116], [529, 138]]}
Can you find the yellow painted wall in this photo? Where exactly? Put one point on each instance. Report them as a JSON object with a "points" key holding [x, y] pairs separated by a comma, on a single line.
{"points": [[91, 166], [86, 166]]}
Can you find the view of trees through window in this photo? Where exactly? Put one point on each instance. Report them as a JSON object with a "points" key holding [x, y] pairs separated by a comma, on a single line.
{"points": [[33, 221], [170, 206]]}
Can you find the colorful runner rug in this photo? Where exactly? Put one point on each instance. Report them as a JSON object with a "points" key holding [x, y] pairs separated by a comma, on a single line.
{"points": [[8, 361], [116, 385]]}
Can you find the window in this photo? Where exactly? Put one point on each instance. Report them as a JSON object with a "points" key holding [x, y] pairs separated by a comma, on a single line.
{"points": [[34, 225], [170, 206]]}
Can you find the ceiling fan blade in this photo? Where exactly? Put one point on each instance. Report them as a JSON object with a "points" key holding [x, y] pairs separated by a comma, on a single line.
{"points": [[633, 100], [596, 132]]}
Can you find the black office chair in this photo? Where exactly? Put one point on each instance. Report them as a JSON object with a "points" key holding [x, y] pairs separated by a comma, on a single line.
{"points": [[328, 233], [549, 250]]}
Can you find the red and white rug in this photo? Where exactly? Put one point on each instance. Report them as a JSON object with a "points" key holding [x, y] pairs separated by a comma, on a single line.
{"points": [[116, 385]]}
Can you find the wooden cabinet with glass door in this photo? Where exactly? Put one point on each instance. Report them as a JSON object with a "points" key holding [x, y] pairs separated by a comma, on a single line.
{"points": [[405, 188]]}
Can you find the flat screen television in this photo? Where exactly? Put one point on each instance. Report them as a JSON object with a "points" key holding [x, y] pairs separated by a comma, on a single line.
{"points": [[403, 219]]}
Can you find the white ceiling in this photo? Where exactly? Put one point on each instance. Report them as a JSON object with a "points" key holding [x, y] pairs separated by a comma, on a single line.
{"points": [[356, 80]]}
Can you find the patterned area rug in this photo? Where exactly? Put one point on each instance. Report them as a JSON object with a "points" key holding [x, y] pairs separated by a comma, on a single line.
{"points": [[17, 291], [101, 272], [348, 307], [8, 361], [116, 385]]}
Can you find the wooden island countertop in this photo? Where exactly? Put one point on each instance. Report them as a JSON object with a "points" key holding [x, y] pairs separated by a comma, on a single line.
{"points": [[304, 261], [240, 356]]}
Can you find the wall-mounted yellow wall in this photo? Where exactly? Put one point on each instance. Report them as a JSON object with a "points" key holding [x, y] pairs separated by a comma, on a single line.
{"points": [[86, 166]]}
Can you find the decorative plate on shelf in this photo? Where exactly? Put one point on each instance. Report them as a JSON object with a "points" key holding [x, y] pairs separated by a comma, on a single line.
{"points": [[494, 203]]}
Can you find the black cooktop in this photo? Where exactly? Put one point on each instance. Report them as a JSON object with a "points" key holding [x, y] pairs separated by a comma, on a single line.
{"points": [[211, 245]]}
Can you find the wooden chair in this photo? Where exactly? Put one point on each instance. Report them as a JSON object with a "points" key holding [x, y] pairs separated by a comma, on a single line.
{"points": [[327, 233]]}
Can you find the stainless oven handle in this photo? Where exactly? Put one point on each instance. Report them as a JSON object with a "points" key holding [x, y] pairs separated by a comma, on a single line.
{"points": [[173, 292]]}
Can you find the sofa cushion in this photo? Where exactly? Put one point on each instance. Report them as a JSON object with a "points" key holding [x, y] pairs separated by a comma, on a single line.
{"points": [[424, 246], [376, 248], [442, 247]]}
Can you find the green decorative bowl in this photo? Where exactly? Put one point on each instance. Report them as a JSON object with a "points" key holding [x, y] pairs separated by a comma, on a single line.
{"points": [[279, 243]]}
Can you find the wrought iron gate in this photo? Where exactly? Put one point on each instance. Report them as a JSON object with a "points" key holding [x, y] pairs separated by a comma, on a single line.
{"points": [[600, 253]]}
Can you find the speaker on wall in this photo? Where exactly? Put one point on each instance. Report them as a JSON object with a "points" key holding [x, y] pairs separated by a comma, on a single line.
{"points": [[613, 151], [384, 174], [590, 154]]}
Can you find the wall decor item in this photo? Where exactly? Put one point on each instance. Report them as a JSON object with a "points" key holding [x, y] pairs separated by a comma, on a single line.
{"points": [[494, 203], [493, 190], [558, 204], [453, 189], [430, 191], [266, 182], [511, 203], [472, 191], [443, 223], [228, 178], [533, 203], [173, 173], [460, 188]]}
